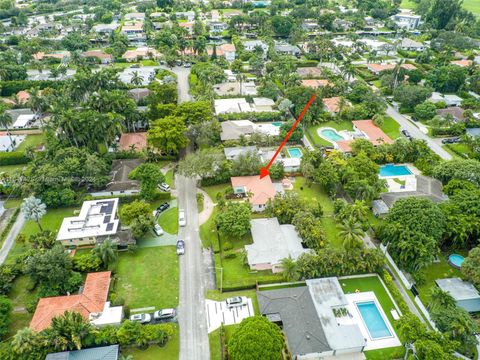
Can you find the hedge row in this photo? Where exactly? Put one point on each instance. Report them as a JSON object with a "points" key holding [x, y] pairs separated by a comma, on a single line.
{"points": [[9, 88], [387, 279], [13, 158], [253, 116]]}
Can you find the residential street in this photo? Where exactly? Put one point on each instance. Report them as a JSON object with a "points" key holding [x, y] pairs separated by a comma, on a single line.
{"points": [[192, 317], [416, 133], [12, 235], [182, 82]]}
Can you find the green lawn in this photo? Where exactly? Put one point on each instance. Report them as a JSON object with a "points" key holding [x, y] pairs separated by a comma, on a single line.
{"points": [[433, 272], [169, 352], [8, 169], [391, 128], [311, 192], [408, 4], [331, 232], [471, 5], [459, 150], [213, 190], [169, 178], [20, 297], [342, 125], [52, 220], [208, 231], [148, 277], [148, 63], [168, 220], [31, 140], [215, 347]]}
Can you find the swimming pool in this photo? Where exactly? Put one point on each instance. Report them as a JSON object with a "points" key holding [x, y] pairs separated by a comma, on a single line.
{"points": [[295, 152], [394, 170], [456, 260], [373, 320], [331, 134], [277, 123]]}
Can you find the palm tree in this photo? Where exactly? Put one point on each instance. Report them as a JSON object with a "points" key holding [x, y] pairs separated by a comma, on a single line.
{"points": [[106, 251], [136, 80], [26, 342], [440, 300], [241, 78], [289, 267], [5, 121], [351, 232], [72, 327], [34, 209]]}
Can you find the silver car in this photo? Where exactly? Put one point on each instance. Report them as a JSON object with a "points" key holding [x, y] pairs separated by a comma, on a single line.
{"points": [[164, 314], [141, 318], [236, 301]]}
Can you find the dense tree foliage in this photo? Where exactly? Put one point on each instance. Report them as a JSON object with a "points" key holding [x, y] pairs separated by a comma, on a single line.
{"points": [[234, 219], [137, 215]]}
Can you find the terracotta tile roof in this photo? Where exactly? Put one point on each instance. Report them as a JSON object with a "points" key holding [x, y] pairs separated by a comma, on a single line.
{"points": [[186, 24], [97, 54], [462, 63], [138, 139], [315, 83], [332, 104], [373, 132], [91, 300], [23, 96], [344, 145], [309, 71], [262, 189], [376, 68]]}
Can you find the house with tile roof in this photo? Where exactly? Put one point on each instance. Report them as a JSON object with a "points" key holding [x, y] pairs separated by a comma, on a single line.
{"points": [[91, 303], [332, 105], [462, 63], [378, 68], [316, 83], [100, 55], [258, 191], [364, 129]]}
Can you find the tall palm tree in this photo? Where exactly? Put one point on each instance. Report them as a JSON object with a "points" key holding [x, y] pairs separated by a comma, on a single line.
{"points": [[241, 78], [26, 342], [351, 232], [5, 121], [289, 267], [34, 209], [136, 79], [106, 251], [72, 327], [440, 300]]}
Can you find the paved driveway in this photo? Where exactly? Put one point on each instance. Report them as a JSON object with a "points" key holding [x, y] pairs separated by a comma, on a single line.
{"points": [[218, 313]]}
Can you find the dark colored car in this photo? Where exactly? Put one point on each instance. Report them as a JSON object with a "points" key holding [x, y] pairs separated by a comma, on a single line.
{"points": [[452, 140], [163, 207], [406, 134]]}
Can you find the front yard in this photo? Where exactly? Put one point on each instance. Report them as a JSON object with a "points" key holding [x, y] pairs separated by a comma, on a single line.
{"points": [[148, 277], [169, 352], [168, 220]]}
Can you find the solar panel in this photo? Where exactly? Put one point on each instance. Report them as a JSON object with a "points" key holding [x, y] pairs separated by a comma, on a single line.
{"points": [[107, 219], [109, 227], [107, 207]]}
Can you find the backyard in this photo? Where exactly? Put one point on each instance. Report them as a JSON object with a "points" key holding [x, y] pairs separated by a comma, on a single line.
{"points": [[317, 140], [148, 277]]}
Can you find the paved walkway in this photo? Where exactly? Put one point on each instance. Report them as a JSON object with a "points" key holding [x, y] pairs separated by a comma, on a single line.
{"points": [[208, 206], [12, 235]]}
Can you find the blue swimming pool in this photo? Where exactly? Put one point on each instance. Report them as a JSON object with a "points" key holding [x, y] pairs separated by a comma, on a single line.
{"points": [[394, 170], [456, 260], [373, 319], [331, 135], [295, 152], [277, 123]]}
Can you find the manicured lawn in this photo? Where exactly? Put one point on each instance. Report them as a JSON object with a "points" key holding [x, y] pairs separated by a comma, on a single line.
{"points": [[371, 283], [460, 150], [342, 125], [473, 6], [169, 178], [20, 297], [154, 352], [388, 353], [208, 231], [12, 203], [311, 192], [331, 232], [31, 140], [8, 169], [213, 190], [51, 221], [391, 128], [148, 63], [433, 272], [215, 347], [168, 220], [408, 4], [148, 277]]}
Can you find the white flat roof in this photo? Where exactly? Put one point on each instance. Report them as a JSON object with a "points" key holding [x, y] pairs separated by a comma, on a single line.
{"points": [[23, 120], [96, 218]]}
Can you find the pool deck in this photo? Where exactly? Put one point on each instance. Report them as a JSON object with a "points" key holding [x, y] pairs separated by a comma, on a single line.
{"points": [[372, 344], [343, 133]]}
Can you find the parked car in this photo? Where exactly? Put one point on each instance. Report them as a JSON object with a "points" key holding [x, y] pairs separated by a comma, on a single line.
{"points": [[155, 213], [135, 66], [452, 140], [141, 318], [163, 207], [164, 187], [187, 65], [406, 134], [180, 247], [236, 301], [182, 220], [164, 314], [157, 229]]}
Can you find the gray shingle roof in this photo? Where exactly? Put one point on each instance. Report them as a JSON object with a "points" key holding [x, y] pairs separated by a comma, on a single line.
{"points": [[99, 353]]}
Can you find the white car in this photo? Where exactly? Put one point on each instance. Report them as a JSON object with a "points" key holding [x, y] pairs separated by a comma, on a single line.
{"points": [[141, 318], [182, 220], [164, 187], [236, 301], [164, 314], [158, 230]]}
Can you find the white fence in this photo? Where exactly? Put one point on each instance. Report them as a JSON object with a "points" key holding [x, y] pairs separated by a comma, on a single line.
{"points": [[402, 277]]}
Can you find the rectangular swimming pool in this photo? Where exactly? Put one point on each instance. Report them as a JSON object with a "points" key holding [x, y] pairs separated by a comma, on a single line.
{"points": [[394, 170], [295, 152], [373, 320]]}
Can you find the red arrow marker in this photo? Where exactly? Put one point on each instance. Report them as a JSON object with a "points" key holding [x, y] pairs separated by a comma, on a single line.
{"points": [[264, 171]]}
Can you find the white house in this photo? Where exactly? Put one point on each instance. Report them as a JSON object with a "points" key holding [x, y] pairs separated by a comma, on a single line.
{"points": [[407, 20], [450, 100], [251, 45]]}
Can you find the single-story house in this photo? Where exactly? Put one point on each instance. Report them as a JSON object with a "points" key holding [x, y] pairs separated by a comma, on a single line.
{"points": [[364, 129], [462, 63], [91, 303], [378, 68], [287, 49], [251, 45], [307, 318], [235, 88], [315, 83], [240, 105], [99, 54], [110, 352], [22, 96], [411, 45], [141, 53], [290, 164], [233, 130], [136, 140], [272, 242], [24, 121], [258, 191], [332, 105], [139, 93], [228, 51], [232, 153], [56, 55], [465, 294], [449, 100], [135, 16], [105, 28], [455, 111], [309, 72], [97, 221]]}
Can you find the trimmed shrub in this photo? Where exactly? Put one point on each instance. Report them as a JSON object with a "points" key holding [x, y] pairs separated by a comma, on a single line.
{"points": [[13, 158]]}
